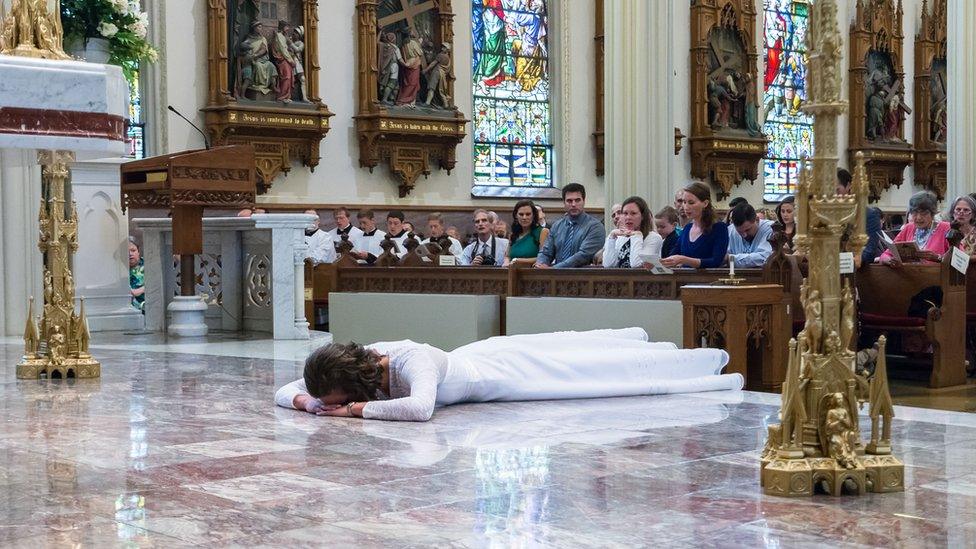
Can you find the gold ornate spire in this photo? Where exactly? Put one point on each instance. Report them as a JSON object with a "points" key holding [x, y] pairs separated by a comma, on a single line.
{"points": [[818, 447], [30, 29]]}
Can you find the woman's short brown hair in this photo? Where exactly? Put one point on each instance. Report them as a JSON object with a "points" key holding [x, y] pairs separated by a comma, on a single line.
{"points": [[350, 368]]}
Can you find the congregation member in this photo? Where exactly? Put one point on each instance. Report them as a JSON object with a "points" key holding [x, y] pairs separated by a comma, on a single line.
{"points": [[487, 249], [137, 276], [633, 236], [962, 212], [732, 204], [394, 227], [787, 220], [435, 224], [666, 224], [679, 206], [749, 237], [872, 225], [542, 216], [408, 226], [344, 226], [501, 228], [704, 241], [527, 233], [321, 247], [248, 212], [929, 236], [575, 238], [452, 232], [615, 215], [370, 248]]}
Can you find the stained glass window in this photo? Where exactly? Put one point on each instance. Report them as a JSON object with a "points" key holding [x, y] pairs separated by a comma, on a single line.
{"points": [[790, 131], [135, 126], [510, 67]]}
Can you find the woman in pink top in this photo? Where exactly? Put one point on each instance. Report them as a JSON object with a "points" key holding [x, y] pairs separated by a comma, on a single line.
{"points": [[930, 237]]}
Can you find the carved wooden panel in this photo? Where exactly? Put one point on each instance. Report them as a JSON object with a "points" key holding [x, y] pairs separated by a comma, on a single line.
{"points": [[598, 134], [931, 86], [264, 83], [877, 94], [398, 122], [726, 140]]}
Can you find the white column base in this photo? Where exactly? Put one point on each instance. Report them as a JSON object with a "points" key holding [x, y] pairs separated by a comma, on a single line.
{"points": [[187, 316]]}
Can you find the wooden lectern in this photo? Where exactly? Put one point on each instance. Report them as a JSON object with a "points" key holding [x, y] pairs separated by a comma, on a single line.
{"points": [[185, 183]]}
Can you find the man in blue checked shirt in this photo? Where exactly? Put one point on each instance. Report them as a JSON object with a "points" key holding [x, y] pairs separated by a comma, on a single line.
{"points": [[575, 238]]}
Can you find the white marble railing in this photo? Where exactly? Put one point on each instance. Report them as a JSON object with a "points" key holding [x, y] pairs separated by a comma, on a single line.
{"points": [[251, 273]]}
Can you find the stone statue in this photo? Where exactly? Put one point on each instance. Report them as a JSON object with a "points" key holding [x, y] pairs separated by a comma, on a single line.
{"points": [[847, 320], [256, 72], [939, 121], [751, 116], [894, 116], [839, 432], [413, 59], [283, 54], [297, 44], [389, 67], [874, 127], [436, 73], [720, 103], [813, 308]]}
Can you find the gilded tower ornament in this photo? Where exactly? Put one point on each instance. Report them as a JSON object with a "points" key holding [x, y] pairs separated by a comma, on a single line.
{"points": [[817, 447], [30, 29], [59, 348]]}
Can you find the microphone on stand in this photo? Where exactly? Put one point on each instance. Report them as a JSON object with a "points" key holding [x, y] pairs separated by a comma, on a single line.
{"points": [[206, 141]]}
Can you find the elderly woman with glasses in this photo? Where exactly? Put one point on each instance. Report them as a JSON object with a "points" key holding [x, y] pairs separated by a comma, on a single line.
{"points": [[929, 236], [962, 212]]}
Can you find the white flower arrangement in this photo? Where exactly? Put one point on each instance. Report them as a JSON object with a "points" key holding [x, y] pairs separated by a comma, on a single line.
{"points": [[121, 22]]}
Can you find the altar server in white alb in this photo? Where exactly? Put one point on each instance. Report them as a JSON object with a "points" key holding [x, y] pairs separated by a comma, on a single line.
{"points": [[405, 381], [321, 248], [633, 236], [487, 248], [394, 226], [345, 226], [369, 243]]}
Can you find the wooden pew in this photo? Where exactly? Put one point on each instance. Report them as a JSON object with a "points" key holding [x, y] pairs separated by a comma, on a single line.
{"points": [[319, 281], [885, 294]]}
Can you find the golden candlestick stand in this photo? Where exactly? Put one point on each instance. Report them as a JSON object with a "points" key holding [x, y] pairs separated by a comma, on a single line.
{"points": [[59, 347], [817, 446]]}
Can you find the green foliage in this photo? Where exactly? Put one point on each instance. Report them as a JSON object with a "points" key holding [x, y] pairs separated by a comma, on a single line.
{"points": [[119, 21]]}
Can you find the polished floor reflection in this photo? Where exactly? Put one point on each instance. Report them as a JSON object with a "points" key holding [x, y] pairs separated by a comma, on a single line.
{"points": [[180, 445]]}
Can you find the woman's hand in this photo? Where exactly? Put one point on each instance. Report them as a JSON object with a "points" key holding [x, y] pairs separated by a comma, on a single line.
{"points": [[929, 255], [311, 404], [620, 232], [677, 261], [891, 262], [353, 409]]}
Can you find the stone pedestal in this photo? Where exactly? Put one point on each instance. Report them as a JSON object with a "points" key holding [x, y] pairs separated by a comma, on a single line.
{"points": [[187, 316], [251, 273], [102, 266]]}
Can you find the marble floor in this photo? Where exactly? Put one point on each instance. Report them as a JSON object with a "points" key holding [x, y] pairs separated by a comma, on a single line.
{"points": [[178, 444]]}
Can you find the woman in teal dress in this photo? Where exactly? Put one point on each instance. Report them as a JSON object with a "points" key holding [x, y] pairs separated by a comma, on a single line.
{"points": [[527, 234]]}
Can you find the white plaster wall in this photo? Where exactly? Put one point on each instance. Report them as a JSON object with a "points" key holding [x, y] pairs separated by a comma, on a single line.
{"points": [[338, 178], [897, 197]]}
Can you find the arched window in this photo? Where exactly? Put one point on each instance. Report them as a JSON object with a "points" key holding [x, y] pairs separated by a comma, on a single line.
{"points": [[510, 68], [785, 91]]}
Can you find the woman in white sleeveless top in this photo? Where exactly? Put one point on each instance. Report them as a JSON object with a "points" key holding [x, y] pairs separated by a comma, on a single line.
{"points": [[405, 381]]}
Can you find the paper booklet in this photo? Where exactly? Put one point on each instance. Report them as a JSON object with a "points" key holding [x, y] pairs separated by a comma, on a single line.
{"points": [[655, 261], [905, 252]]}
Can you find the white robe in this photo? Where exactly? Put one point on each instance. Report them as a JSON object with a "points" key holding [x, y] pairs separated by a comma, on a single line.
{"points": [[598, 363], [355, 236], [321, 247], [371, 244]]}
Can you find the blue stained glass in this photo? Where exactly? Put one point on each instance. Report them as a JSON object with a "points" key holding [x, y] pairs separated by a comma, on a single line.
{"points": [[512, 113], [784, 92]]}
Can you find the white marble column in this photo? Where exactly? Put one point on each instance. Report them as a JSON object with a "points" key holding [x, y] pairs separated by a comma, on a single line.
{"points": [[101, 266], [20, 195], [961, 142], [639, 123]]}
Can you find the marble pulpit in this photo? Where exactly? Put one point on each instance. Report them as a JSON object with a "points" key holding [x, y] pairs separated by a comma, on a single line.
{"points": [[251, 273]]}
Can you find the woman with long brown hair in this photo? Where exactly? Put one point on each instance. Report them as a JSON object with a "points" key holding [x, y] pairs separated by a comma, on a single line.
{"points": [[704, 242], [633, 236]]}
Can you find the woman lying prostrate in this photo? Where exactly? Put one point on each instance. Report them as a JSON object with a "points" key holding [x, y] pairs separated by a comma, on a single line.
{"points": [[405, 381]]}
